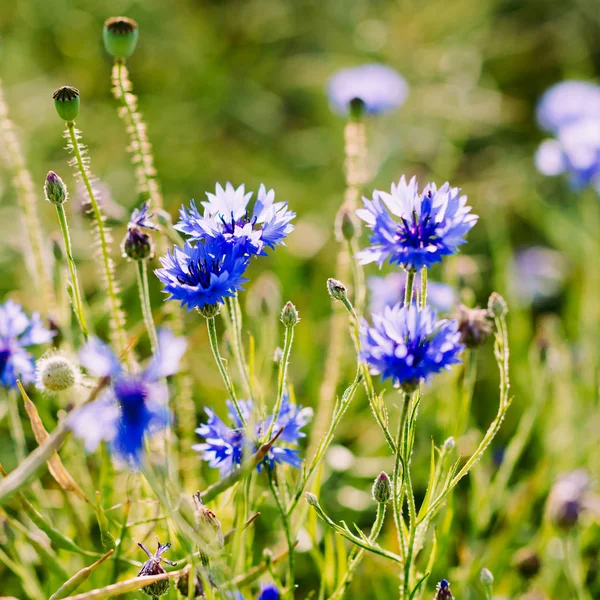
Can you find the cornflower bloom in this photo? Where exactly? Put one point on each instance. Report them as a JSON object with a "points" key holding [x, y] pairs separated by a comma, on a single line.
{"points": [[137, 244], [268, 591], [134, 405]]}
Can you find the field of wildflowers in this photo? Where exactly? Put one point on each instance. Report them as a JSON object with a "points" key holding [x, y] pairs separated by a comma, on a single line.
{"points": [[299, 300]]}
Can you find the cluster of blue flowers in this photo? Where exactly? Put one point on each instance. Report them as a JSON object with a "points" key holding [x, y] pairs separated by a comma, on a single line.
{"points": [[226, 446], [211, 265], [570, 111]]}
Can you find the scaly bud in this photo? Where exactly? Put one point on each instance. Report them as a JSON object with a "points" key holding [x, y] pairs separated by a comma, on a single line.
{"points": [[66, 101], [336, 289], [183, 586], [137, 245], [497, 305], [474, 325], [289, 315], [54, 189], [55, 373], [346, 226], [382, 488], [120, 36], [311, 499]]}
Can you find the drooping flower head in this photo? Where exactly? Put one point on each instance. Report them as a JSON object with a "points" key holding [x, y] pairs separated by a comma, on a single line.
{"points": [[225, 446], [137, 244], [379, 88], [412, 229], [134, 405], [566, 103], [227, 215], [408, 345], [268, 591], [17, 332], [204, 274]]}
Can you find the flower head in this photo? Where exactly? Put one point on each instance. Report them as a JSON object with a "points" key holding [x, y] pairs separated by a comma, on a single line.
{"points": [[427, 227], [134, 406], [137, 244], [443, 591], [18, 331], [54, 372], [379, 88], [566, 500], [409, 345], [153, 567], [227, 215], [204, 274], [268, 591], [226, 446]]}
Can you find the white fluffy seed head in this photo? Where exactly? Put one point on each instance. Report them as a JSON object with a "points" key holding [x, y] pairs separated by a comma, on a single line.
{"points": [[56, 373]]}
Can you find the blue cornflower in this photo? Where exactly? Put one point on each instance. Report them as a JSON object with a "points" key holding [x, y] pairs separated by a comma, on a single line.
{"points": [[389, 290], [17, 331], [268, 591], [137, 244], [135, 405], [409, 345], [203, 274], [225, 447], [380, 88], [140, 217], [431, 225], [226, 214], [566, 103]]}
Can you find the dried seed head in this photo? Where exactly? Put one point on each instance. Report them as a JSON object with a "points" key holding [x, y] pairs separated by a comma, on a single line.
{"points": [[474, 325], [54, 189], [66, 102], [289, 315], [120, 36], [382, 488], [56, 373]]}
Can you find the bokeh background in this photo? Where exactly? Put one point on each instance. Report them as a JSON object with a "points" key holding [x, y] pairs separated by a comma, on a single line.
{"points": [[235, 91]]}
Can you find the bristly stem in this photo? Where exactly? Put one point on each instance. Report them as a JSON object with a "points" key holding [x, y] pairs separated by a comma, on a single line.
{"points": [[77, 297], [399, 475], [117, 320], [408, 290], [142, 281], [423, 287], [235, 311], [214, 346]]}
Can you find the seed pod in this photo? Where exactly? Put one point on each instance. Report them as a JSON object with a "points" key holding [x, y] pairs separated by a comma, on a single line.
{"points": [[120, 35], [55, 373], [66, 102]]}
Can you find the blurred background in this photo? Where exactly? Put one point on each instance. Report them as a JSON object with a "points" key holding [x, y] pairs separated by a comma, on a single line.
{"points": [[235, 91]]}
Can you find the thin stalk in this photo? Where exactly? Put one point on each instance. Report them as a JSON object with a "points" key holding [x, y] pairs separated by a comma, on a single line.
{"points": [[117, 319], [238, 345], [214, 346], [16, 426], [408, 290], [77, 297], [397, 483], [423, 287], [142, 281]]}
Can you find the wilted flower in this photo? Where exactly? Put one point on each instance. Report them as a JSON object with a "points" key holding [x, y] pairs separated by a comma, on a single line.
{"points": [[431, 225], [153, 567], [377, 87], [225, 447], [474, 325], [566, 499], [268, 591], [409, 345], [204, 274], [135, 405], [137, 244], [226, 215], [54, 372], [18, 331]]}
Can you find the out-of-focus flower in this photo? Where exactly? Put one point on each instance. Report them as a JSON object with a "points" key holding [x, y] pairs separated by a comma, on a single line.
{"points": [[379, 88], [538, 273], [409, 345], [226, 215], [268, 591], [528, 562], [566, 500], [204, 274], [134, 406], [389, 290], [567, 102], [17, 332], [137, 244], [474, 325], [54, 372], [225, 447], [443, 591], [153, 567], [427, 226]]}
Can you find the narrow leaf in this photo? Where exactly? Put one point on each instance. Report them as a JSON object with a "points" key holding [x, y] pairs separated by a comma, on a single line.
{"points": [[74, 582]]}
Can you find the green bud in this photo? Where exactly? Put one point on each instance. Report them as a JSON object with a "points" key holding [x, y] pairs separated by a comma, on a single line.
{"points": [[209, 311], [120, 36], [137, 245], [54, 189], [497, 305], [336, 289], [311, 499], [487, 578], [289, 315], [66, 101], [449, 444], [382, 488]]}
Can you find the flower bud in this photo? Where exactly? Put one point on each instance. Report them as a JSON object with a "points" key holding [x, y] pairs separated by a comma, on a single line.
{"points": [[336, 289], [208, 525], [311, 499], [497, 305], [527, 562], [120, 36], [137, 245], [66, 101], [443, 591], [486, 577], [449, 444], [208, 311], [474, 325], [289, 315], [55, 373], [54, 189], [382, 488], [346, 226]]}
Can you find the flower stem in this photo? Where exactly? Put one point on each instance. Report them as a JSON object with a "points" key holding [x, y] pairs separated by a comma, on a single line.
{"points": [[423, 287], [77, 298], [142, 281], [16, 426], [400, 469], [214, 346], [233, 305], [408, 290]]}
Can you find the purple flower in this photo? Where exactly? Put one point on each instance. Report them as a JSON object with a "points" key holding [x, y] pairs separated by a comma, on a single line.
{"points": [[380, 88], [538, 273], [226, 446], [17, 331], [227, 215], [268, 591], [421, 229], [134, 406], [408, 345]]}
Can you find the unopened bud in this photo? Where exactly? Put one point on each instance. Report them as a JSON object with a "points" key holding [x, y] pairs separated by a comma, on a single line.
{"points": [[443, 591], [528, 563], [311, 499], [497, 305], [382, 488], [486, 577], [336, 289], [153, 567], [54, 189], [137, 245], [474, 325], [208, 525], [268, 558], [449, 444], [56, 373], [66, 101], [120, 36], [289, 315]]}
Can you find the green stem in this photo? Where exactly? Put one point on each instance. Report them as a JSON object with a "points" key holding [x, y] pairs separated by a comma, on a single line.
{"points": [[77, 297], [117, 319], [142, 281], [214, 346], [410, 284], [236, 325], [398, 486], [16, 426], [423, 287]]}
